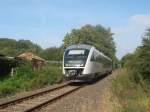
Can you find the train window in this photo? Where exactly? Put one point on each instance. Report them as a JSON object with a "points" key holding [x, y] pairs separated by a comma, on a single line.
{"points": [[106, 63], [76, 54], [95, 57], [99, 59]]}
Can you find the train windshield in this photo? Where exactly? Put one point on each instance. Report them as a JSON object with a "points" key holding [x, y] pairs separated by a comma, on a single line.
{"points": [[76, 57]]}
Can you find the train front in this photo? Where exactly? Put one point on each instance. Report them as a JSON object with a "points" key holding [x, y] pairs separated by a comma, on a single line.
{"points": [[74, 63]]}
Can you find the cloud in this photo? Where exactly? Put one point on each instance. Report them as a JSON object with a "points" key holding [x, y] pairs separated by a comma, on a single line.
{"points": [[135, 23], [141, 19]]}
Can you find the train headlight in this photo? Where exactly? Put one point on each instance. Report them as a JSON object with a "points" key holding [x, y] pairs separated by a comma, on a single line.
{"points": [[66, 64], [82, 64], [71, 73], [77, 65]]}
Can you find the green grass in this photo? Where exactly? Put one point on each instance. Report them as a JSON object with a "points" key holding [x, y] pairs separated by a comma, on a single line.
{"points": [[131, 96], [25, 79]]}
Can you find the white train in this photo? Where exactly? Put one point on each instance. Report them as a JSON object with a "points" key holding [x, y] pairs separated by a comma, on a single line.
{"points": [[84, 62]]}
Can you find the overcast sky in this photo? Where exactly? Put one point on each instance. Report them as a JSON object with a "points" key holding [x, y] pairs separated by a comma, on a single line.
{"points": [[47, 21]]}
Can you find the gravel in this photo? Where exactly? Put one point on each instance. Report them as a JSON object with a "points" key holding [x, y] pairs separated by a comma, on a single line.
{"points": [[88, 99]]}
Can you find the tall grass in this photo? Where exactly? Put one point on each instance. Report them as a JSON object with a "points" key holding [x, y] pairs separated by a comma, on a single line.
{"points": [[131, 96], [25, 79]]}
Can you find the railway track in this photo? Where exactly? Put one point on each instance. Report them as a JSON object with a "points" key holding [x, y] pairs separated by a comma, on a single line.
{"points": [[36, 101]]}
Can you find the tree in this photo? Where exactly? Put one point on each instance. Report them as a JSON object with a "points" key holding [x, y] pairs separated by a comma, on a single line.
{"points": [[53, 54], [11, 47], [27, 45], [125, 61]]}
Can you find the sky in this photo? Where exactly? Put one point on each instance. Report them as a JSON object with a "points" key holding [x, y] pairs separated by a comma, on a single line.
{"points": [[46, 22]]}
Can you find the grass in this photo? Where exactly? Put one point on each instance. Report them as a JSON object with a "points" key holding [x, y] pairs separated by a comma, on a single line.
{"points": [[25, 79], [131, 97]]}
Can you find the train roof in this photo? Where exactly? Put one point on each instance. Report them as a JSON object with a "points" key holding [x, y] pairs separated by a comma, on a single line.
{"points": [[105, 56], [83, 46]]}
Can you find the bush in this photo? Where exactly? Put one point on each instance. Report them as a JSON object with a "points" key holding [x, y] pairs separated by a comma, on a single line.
{"points": [[131, 96], [46, 76], [25, 78]]}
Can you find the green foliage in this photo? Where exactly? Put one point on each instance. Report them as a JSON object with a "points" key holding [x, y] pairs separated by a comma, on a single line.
{"points": [[48, 75], [97, 36], [11, 47], [131, 96], [53, 53], [54, 63], [125, 61], [25, 78]]}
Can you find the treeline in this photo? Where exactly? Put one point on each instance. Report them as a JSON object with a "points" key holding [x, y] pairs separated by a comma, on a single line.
{"points": [[11, 47]]}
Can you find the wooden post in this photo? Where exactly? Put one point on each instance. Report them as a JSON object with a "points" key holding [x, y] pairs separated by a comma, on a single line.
{"points": [[12, 72]]}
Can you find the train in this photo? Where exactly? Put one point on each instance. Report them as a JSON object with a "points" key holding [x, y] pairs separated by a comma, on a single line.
{"points": [[83, 62]]}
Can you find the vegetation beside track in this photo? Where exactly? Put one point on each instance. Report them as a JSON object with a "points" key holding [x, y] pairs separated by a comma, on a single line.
{"points": [[25, 79], [131, 86], [129, 96]]}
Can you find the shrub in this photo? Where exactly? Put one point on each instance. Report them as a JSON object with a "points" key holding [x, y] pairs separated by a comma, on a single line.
{"points": [[132, 97], [25, 78]]}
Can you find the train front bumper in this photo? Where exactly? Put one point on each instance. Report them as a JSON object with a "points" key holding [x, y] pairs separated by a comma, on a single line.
{"points": [[76, 74]]}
